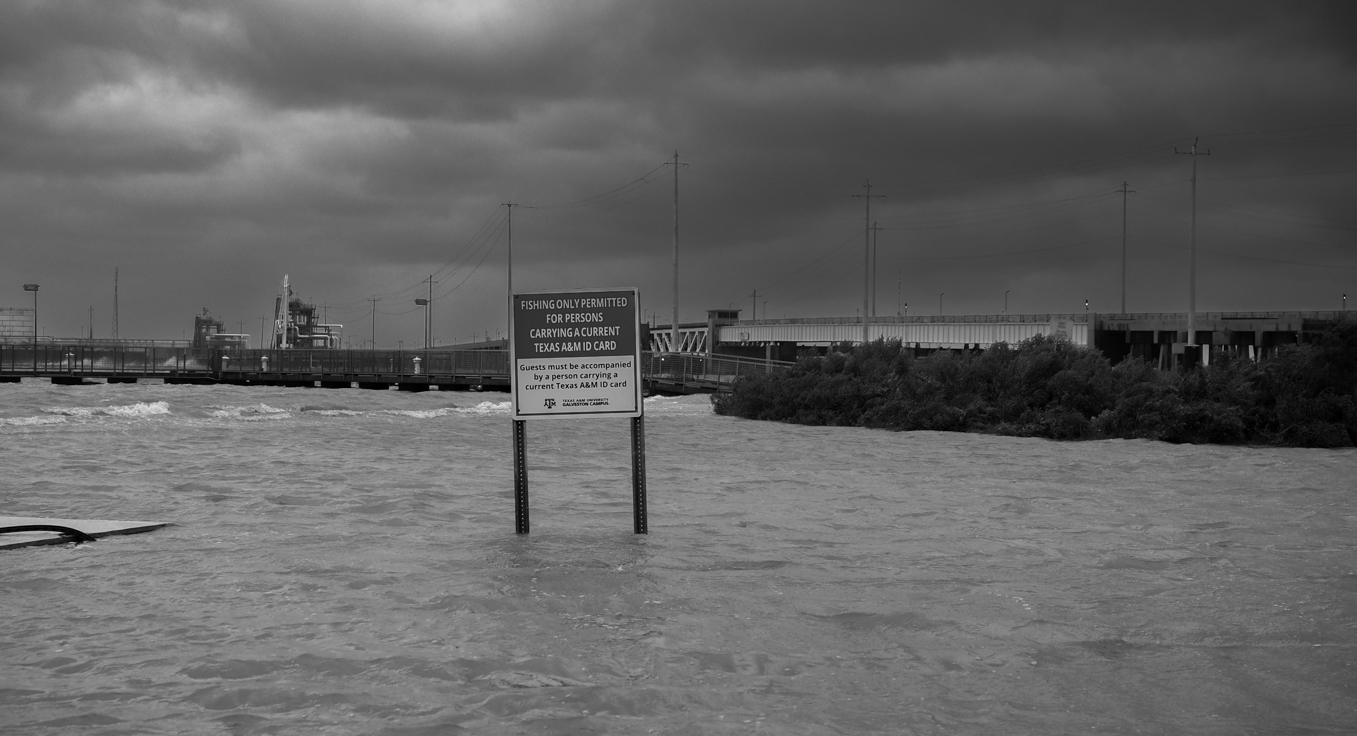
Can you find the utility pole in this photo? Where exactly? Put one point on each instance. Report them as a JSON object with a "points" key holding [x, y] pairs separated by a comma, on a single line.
{"points": [[899, 290], [91, 322], [509, 301], [374, 301], [115, 303], [34, 288], [674, 325], [875, 230], [1123, 191], [1192, 250], [263, 319], [428, 314], [755, 307], [511, 206], [867, 256]]}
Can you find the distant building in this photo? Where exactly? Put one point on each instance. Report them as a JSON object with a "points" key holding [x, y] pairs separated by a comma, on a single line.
{"points": [[211, 333], [16, 324]]}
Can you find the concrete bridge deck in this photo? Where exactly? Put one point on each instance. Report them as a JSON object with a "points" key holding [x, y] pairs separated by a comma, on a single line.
{"points": [[1155, 336]]}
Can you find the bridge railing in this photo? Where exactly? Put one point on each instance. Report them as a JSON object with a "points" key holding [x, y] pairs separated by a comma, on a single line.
{"points": [[46, 359], [368, 362], [129, 360], [703, 371], [681, 369]]}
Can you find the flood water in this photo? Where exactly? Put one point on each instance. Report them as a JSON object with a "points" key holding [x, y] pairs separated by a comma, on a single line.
{"points": [[344, 562]]}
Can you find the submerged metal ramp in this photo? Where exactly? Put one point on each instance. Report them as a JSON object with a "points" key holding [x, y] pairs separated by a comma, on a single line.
{"points": [[31, 531]]}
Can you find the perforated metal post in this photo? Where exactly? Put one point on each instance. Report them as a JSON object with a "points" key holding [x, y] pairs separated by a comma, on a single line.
{"points": [[638, 473], [520, 478]]}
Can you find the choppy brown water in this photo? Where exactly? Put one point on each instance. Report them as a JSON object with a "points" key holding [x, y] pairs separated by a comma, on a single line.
{"points": [[344, 562]]}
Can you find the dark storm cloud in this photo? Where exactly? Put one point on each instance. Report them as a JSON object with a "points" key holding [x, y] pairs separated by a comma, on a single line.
{"points": [[869, 34], [364, 145]]}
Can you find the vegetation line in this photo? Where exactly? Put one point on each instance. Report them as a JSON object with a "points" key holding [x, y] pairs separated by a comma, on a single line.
{"points": [[1302, 396]]}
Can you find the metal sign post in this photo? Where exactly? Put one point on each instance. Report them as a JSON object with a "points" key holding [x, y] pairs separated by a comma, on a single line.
{"points": [[638, 474], [576, 353], [520, 478]]}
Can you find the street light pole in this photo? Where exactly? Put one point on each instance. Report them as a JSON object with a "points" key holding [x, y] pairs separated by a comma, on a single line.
{"points": [[34, 288], [428, 315]]}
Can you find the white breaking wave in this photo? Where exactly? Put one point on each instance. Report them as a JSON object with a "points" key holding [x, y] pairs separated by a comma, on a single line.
{"points": [[485, 407], [31, 421], [695, 405], [249, 412], [129, 411], [488, 407], [413, 413], [423, 413]]}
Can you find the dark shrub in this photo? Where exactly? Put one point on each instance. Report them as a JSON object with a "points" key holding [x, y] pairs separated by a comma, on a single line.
{"points": [[1305, 395]]}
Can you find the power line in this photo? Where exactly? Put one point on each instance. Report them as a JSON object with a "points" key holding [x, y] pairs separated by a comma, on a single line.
{"points": [[1034, 228], [1011, 252], [489, 229], [793, 277], [1278, 260], [641, 180]]}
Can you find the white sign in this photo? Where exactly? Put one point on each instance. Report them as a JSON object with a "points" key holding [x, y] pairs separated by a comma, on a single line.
{"points": [[575, 353], [1062, 327]]}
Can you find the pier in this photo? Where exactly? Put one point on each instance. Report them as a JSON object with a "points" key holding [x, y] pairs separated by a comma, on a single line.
{"points": [[711, 354], [404, 370]]}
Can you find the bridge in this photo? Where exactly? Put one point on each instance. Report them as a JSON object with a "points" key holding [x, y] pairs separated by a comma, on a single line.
{"points": [[1159, 337], [79, 363], [723, 331]]}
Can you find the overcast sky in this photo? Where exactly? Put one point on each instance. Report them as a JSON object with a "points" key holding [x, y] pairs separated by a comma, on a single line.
{"points": [[205, 149]]}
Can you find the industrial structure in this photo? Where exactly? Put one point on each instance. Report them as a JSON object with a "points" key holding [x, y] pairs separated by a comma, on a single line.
{"points": [[296, 324], [209, 332]]}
